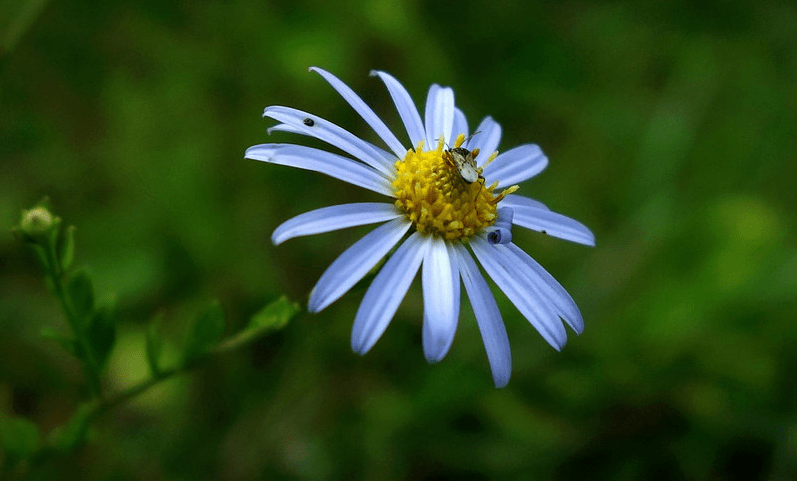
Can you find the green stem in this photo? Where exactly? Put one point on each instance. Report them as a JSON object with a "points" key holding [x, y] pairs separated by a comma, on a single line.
{"points": [[230, 344], [57, 276]]}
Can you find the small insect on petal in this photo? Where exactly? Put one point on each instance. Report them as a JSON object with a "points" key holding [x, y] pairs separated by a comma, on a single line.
{"points": [[308, 122]]}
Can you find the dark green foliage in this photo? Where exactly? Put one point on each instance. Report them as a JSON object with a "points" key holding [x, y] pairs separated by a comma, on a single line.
{"points": [[204, 332]]}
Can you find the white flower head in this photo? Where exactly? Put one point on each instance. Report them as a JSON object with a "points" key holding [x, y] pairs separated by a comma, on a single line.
{"points": [[446, 195]]}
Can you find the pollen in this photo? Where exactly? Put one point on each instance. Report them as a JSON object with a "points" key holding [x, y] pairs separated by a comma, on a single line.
{"points": [[437, 200]]}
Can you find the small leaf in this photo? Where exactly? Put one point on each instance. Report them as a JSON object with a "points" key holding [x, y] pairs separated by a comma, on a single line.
{"points": [[65, 341], [68, 248], [54, 232], [101, 334], [73, 434], [154, 345], [81, 295], [18, 437], [274, 316], [206, 330]]}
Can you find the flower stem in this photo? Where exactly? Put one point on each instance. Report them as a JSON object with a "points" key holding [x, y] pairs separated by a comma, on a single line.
{"points": [[91, 369]]}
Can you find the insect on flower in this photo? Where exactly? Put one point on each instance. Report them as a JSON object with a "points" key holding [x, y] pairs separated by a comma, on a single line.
{"points": [[464, 161], [434, 221]]}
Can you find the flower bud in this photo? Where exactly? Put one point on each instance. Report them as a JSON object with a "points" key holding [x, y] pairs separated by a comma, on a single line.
{"points": [[37, 223]]}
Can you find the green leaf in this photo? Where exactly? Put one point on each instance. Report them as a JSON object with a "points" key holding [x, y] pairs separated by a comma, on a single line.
{"points": [[205, 331], [73, 434], [274, 316], [101, 334], [68, 248], [19, 437], [81, 295], [154, 345], [65, 341]]}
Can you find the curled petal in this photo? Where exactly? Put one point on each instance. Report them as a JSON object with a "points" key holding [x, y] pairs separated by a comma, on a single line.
{"points": [[501, 231]]}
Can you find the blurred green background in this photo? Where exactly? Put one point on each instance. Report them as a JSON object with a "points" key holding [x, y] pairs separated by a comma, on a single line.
{"points": [[671, 129]]}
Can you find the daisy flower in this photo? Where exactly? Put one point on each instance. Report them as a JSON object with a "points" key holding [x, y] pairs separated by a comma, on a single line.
{"points": [[450, 201]]}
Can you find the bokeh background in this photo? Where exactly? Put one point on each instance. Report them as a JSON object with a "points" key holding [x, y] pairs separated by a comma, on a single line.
{"points": [[671, 129]]}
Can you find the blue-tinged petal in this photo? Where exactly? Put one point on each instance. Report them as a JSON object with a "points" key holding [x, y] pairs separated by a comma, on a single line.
{"points": [[549, 222], [355, 262], [460, 126], [439, 115], [487, 138], [440, 303], [524, 294], [516, 165], [405, 106], [285, 128], [332, 218], [501, 230], [336, 136], [488, 316], [553, 291], [324, 162], [513, 200], [365, 112], [386, 292]]}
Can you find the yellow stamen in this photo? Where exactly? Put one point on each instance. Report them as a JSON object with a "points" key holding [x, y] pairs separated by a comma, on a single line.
{"points": [[437, 200]]}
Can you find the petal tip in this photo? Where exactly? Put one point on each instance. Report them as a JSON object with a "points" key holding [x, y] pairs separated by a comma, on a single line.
{"points": [[501, 383]]}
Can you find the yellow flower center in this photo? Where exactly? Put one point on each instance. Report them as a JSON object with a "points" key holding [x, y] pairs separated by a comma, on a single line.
{"points": [[436, 198]]}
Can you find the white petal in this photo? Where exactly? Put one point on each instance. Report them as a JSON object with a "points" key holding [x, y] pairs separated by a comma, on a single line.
{"points": [[440, 306], [335, 136], [564, 304], [551, 223], [365, 112], [386, 292], [513, 200], [516, 165], [332, 218], [487, 138], [524, 294], [405, 106], [460, 125], [285, 128], [439, 115], [355, 262], [324, 162], [488, 316]]}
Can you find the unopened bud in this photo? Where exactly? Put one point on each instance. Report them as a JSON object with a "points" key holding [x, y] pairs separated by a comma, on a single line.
{"points": [[37, 222]]}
